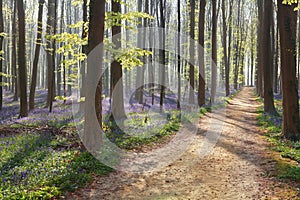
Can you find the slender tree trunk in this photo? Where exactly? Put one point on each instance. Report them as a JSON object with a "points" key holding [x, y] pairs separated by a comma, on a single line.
{"points": [[287, 21], [140, 71], [36, 55], [224, 42], [178, 56], [229, 41], [162, 52], [259, 49], [22, 61], [14, 53], [1, 48], [192, 53], [50, 53], [118, 109], [201, 89], [214, 52], [84, 47]]}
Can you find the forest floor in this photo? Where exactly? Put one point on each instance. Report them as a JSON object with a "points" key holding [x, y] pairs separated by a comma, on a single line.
{"points": [[241, 166]]}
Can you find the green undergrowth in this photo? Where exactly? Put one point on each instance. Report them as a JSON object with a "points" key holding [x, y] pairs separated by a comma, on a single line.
{"points": [[272, 127], [44, 165], [144, 130]]}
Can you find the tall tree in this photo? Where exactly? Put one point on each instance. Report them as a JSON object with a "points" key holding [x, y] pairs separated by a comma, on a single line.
{"points": [[259, 71], [118, 109], [140, 71], [96, 36], [201, 85], [1, 47], [287, 21], [50, 52], [192, 52], [214, 52], [14, 53], [22, 61], [224, 43], [178, 56], [162, 52], [267, 61], [36, 55]]}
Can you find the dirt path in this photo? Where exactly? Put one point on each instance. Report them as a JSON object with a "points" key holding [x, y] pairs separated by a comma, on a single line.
{"points": [[237, 168]]}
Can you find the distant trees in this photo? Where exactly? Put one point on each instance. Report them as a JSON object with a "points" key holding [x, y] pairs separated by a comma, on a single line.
{"points": [[287, 21], [22, 60]]}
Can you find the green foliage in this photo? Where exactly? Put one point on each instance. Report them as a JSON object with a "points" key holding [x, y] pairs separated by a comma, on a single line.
{"points": [[115, 19]]}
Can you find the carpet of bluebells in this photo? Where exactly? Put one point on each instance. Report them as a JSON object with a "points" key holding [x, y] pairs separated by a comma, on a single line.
{"points": [[41, 156]]}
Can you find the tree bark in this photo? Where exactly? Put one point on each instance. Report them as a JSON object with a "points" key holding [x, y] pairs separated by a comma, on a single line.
{"points": [[192, 53], [118, 109], [22, 61], [201, 89], [267, 61], [259, 49], [224, 42], [287, 21], [214, 53]]}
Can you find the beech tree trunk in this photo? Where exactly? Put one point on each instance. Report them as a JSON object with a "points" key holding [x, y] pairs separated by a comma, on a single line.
{"points": [[267, 61], [22, 61], [118, 109], [214, 53], [287, 21], [201, 85], [192, 53]]}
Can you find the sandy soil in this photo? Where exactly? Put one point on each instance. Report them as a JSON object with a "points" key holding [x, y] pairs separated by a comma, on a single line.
{"points": [[239, 167]]}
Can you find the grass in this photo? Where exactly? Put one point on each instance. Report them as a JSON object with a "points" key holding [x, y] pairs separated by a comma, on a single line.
{"points": [[271, 125], [44, 165], [143, 132]]}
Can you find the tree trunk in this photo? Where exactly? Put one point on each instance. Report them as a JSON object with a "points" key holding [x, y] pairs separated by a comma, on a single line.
{"points": [[267, 61], [214, 53], [259, 49], [287, 21], [178, 56], [50, 52], [201, 89], [118, 109], [22, 61], [36, 55], [224, 42], [192, 52], [140, 71], [1, 48], [14, 54], [162, 53]]}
